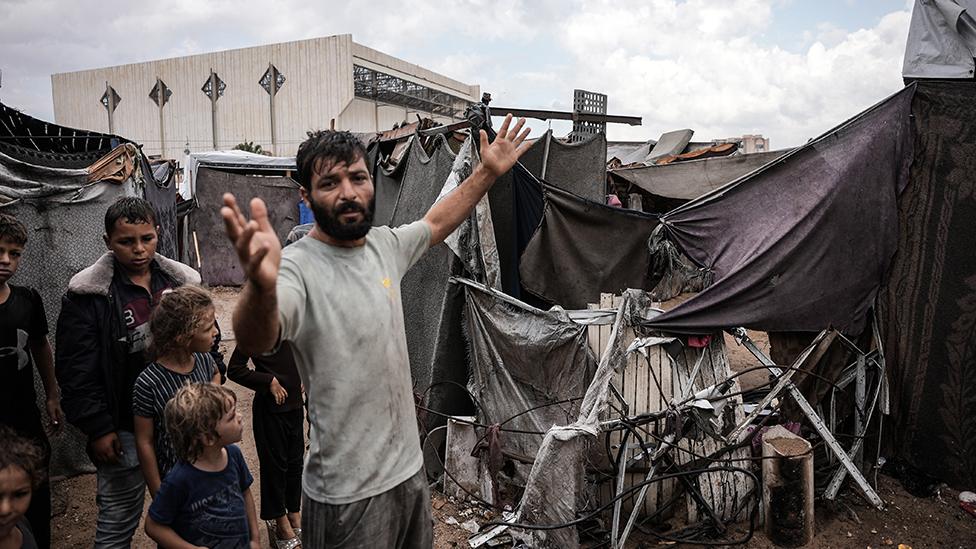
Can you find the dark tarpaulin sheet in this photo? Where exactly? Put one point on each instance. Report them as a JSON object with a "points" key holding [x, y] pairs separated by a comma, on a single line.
{"points": [[503, 202], [516, 197], [42, 143], [585, 248], [431, 306], [161, 193], [523, 358], [927, 307], [804, 243], [218, 262], [64, 217]]}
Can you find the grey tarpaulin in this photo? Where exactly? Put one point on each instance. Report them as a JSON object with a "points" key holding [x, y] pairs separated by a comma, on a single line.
{"points": [[161, 193], [554, 490], [386, 183], [64, 218], [670, 185], [431, 305], [805, 242], [583, 248], [580, 168], [218, 264], [523, 358]]}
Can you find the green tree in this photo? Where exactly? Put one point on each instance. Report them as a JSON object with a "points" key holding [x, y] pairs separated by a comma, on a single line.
{"points": [[250, 147]]}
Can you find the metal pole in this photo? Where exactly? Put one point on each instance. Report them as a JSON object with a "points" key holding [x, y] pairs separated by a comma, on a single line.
{"points": [[161, 100], [818, 424], [111, 107], [213, 107], [274, 90]]}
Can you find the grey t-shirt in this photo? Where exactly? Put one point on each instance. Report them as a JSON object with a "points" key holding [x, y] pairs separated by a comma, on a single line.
{"points": [[341, 309]]}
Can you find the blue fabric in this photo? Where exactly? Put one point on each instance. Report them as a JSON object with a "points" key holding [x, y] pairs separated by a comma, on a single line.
{"points": [[305, 215], [206, 508]]}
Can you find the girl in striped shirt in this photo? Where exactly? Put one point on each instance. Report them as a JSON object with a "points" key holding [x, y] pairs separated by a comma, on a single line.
{"points": [[183, 329]]}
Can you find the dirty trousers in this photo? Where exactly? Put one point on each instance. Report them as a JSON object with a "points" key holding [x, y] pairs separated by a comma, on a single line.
{"points": [[120, 497], [399, 518]]}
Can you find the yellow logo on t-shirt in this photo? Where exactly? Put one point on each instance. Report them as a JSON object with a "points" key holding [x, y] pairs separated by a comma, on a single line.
{"points": [[387, 283]]}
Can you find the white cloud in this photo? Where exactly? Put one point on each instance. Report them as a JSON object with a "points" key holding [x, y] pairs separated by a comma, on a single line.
{"points": [[698, 63], [702, 66]]}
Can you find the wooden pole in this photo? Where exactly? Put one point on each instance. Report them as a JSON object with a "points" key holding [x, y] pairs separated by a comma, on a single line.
{"points": [[787, 488]]}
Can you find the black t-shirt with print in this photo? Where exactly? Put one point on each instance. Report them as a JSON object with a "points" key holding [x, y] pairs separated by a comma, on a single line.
{"points": [[136, 306], [22, 320]]}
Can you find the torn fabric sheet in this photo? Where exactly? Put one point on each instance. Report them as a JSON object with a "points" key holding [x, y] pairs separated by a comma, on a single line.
{"points": [[583, 249], [805, 242], [927, 307], [522, 358]]}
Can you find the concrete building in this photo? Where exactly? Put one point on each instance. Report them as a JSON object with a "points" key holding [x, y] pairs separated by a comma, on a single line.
{"points": [[270, 95]]}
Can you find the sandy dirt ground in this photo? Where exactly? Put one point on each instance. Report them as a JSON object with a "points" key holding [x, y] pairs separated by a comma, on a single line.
{"points": [[916, 522]]}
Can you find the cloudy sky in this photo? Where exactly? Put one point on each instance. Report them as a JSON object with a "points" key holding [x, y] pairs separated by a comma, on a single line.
{"points": [[789, 69]]}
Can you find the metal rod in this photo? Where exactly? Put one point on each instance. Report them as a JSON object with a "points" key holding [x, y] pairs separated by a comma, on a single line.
{"points": [[213, 107], [545, 155], [542, 114], [818, 423], [621, 476]]}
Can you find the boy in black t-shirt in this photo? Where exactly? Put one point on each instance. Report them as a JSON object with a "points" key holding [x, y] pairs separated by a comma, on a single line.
{"points": [[24, 346]]}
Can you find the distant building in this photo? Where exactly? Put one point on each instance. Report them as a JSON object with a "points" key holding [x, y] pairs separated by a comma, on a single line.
{"points": [[270, 95], [754, 144]]}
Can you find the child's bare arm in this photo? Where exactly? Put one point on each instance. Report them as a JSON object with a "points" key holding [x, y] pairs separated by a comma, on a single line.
{"points": [[252, 519], [146, 450], [44, 360], [165, 536]]}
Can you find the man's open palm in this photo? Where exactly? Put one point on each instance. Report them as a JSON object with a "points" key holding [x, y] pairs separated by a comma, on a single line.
{"points": [[501, 154], [257, 245]]}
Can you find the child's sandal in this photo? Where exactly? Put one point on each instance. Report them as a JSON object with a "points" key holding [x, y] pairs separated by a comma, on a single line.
{"points": [[278, 543]]}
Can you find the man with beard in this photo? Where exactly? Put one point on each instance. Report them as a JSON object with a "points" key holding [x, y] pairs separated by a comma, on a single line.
{"points": [[335, 295]]}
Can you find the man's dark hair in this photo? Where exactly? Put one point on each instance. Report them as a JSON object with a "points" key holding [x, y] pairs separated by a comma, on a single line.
{"points": [[12, 229], [132, 209], [336, 146]]}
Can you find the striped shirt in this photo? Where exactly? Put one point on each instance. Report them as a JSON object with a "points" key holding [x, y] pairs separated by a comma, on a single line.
{"points": [[154, 387]]}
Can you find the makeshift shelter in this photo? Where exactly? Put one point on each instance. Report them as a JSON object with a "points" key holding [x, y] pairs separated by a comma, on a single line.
{"points": [[208, 175], [665, 187], [877, 210], [517, 202], [58, 182]]}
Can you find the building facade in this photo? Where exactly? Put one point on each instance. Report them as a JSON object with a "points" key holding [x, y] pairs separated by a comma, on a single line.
{"points": [[268, 95]]}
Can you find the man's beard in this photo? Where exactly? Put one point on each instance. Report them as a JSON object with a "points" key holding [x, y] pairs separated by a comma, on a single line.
{"points": [[329, 223]]}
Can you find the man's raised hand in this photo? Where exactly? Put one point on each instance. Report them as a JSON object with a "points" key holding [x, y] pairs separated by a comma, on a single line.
{"points": [[501, 154], [257, 245]]}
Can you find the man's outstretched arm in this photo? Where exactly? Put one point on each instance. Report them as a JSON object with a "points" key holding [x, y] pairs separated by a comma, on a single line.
{"points": [[497, 158], [255, 322]]}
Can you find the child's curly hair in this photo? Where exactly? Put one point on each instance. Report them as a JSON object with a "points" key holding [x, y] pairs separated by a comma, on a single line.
{"points": [[179, 314], [12, 229], [192, 415], [22, 452]]}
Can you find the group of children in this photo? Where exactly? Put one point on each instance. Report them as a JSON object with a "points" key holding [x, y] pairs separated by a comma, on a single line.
{"points": [[141, 378]]}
